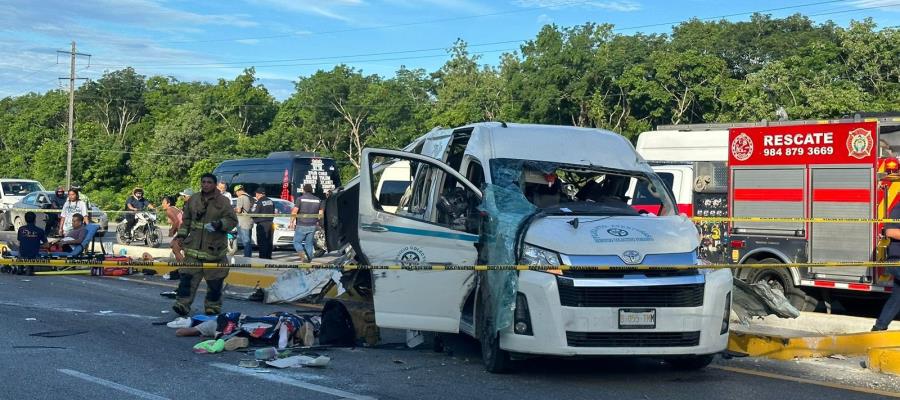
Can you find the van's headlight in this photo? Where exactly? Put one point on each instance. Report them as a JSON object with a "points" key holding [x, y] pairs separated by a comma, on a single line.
{"points": [[532, 255]]}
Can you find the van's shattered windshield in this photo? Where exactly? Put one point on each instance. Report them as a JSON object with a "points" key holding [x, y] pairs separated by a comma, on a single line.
{"points": [[575, 189]]}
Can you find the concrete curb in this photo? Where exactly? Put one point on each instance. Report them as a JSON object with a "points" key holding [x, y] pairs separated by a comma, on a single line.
{"points": [[783, 347], [885, 360]]}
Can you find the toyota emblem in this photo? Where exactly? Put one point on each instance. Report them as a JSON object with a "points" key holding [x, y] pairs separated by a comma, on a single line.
{"points": [[632, 257]]}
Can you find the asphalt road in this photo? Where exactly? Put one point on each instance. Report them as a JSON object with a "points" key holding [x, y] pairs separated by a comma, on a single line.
{"points": [[110, 349]]}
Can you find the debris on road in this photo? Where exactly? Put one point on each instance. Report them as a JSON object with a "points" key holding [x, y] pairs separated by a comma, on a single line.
{"points": [[57, 334], [210, 347], [300, 361], [759, 300]]}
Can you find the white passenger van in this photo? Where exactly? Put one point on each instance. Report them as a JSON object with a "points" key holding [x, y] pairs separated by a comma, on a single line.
{"points": [[497, 193]]}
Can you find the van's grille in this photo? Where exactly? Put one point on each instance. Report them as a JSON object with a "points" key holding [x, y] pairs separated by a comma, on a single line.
{"points": [[621, 272], [633, 339], [690, 295]]}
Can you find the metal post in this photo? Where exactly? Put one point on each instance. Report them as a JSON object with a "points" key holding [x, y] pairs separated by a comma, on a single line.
{"points": [[71, 117]]}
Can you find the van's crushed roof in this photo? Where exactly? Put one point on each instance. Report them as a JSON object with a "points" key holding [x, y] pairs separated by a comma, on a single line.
{"points": [[563, 144]]}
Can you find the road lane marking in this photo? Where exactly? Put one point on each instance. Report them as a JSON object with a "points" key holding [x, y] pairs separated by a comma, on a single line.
{"points": [[806, 381], [112, 385], [291, 382], [75, 310]]}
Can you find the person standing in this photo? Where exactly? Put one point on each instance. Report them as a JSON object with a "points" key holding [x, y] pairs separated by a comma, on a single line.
{"points": [[206, 221], [244, 207], [892, 307], [264, 228], [31, 238], [305, 219], [71, 208], [223, 188], [174, 215]]}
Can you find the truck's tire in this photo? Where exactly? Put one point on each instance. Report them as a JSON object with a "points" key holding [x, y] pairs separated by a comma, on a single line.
{"points": [[691, 363], [780, 279], [496, 360]]}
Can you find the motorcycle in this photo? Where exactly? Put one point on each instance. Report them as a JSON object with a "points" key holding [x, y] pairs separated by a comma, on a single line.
{"points": [[144, 230]]}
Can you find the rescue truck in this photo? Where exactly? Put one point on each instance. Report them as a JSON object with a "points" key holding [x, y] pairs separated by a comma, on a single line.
{"points": [[800, 174]]}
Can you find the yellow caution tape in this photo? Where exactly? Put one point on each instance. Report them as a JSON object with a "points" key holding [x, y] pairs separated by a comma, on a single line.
{"points": [[801, 220], [695, 219], [349, 267]]}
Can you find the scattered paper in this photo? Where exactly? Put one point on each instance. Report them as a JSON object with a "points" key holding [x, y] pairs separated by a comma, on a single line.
{"points": [[31, 319]]}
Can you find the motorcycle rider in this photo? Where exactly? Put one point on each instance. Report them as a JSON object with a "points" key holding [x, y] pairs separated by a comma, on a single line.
{"points": [[56, 202], [206, 220], [135, 204]]}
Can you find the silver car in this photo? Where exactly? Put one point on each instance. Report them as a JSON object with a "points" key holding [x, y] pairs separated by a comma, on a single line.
{"points": [[37, 202]]}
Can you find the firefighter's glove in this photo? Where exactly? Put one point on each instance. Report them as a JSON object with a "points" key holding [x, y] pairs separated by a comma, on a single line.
{"points": [[214, 226]]}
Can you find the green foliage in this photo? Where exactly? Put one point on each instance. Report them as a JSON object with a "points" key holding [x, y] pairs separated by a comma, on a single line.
{"points": [[162, 134]]}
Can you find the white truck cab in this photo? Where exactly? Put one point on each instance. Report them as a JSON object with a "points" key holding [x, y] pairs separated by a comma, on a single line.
{"points": [[496, 193], [671, 152]]}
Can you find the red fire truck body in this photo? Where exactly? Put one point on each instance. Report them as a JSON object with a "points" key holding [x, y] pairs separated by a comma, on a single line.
{"points": [[805, 176]]}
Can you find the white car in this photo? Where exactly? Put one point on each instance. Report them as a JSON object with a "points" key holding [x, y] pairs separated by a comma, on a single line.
{"points": [[13, 191], [283, 236]]}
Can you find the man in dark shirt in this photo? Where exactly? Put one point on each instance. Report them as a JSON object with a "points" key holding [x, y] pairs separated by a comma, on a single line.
{"points": [[135, 203], [264, 228], [305, 219], [76, 235], [892, 307], [31, 238]]}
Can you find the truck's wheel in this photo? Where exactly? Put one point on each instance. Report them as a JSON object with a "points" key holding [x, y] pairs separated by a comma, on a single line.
{"points": [[692, 363], [496, 360], [780, 279]]}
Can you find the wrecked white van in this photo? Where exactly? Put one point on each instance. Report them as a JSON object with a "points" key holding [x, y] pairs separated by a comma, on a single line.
{"points": [[511, 194]]}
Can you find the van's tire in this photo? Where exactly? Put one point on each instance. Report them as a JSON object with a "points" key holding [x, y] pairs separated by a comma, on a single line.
{"points": [[691, 363], [780, 279], [496, 360]]}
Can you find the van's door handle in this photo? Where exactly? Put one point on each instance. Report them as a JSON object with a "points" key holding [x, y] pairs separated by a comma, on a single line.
{"points": [[374, 228]]}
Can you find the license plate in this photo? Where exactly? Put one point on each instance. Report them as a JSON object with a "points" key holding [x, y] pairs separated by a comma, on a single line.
{"points": [[637, 318]]}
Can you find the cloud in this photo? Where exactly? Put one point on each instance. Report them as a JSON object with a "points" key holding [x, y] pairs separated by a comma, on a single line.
{"points": [[332, 9], [890, 5], [612, 5], [147, 14], [247, 41], [544, 19]]}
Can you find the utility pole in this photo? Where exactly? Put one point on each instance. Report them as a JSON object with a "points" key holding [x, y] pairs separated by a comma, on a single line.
{"points": [[74, 54]]}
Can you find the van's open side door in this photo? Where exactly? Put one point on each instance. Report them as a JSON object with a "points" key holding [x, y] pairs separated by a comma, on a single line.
{"points": [[431, 226]]}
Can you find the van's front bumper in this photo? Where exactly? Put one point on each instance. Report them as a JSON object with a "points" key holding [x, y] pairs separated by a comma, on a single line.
{"points": [[586, 331]]}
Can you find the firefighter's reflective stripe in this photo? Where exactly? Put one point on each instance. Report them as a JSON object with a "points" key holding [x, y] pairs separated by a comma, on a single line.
{"points": [[864, 287], [202, 255], [182, 232]]}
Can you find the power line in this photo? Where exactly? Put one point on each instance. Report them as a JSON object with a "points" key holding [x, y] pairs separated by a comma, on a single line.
{"points": [[406, 24], [259, 63]]}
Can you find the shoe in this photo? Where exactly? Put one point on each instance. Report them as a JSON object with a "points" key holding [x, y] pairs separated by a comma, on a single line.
{"points": [[236, 343], [877, 328], [180, 322]]}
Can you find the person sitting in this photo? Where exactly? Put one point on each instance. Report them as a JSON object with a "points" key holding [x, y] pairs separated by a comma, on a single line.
{"points": [[31, 238], [75, 236]]}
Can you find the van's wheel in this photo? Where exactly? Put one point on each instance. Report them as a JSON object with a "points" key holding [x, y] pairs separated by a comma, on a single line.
{"points": [[496, 360], [691, 363], [780, 279]]}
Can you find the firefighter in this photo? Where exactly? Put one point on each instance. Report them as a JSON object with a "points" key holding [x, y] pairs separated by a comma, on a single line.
{"points": [[206, 220], [892, 307]]}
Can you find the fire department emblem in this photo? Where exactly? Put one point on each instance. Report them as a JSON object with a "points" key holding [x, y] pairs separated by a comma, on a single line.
{"points": [[860, 143], [742, 147]]}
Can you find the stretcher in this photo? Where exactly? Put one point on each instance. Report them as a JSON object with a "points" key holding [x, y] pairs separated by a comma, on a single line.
{"points": [[90, 249]]}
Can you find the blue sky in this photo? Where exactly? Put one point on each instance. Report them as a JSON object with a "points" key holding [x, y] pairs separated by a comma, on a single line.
{"points": [[284, 39]]}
